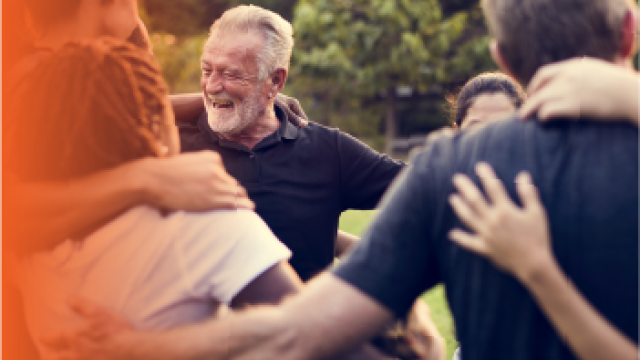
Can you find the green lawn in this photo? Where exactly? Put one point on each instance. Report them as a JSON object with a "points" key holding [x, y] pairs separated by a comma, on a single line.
{"points": [[355, 222]]}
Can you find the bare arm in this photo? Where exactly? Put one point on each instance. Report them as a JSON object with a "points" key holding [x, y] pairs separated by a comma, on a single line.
{"points": [[517, 240], [270, 288], [40, 215], [187, 106], [583, 87], [342, 318], [344, 242]]}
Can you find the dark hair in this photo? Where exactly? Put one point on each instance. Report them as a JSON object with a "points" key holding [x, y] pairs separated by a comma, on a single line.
{"points": [[87, 107], [486, 83], [533, 33]]}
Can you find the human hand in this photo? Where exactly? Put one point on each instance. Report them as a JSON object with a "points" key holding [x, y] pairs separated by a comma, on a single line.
{"points": [[582, 87], [515, 239], [415, 337], [102, 336], [423, 335], [194, 182], [293, 109]]}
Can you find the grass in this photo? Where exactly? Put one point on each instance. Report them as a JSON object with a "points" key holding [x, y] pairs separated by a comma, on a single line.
{"points": [[355, 222]]}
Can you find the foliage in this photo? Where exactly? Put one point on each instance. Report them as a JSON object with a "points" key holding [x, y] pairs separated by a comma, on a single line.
{"points": [[352, 55], [194, 17], [179, 60]]}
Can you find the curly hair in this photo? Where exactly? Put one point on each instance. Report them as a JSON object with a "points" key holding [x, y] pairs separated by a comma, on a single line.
{"points": [[87, 107]]}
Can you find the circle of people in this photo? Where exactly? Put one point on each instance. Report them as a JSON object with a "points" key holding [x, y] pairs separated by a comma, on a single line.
{"points": [[205, 225]]}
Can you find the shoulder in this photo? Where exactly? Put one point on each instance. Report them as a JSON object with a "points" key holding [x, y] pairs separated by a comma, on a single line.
{"points": [[341, 140], [223, 223]]}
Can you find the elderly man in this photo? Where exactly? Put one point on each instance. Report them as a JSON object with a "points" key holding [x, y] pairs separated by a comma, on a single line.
{"points": [[301, 179], [587, 175]]}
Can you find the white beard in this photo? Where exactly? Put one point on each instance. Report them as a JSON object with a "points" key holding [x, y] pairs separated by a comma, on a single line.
{"points": [[233, 122]]}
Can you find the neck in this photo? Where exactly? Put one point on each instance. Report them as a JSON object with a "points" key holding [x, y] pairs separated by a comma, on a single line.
{"points": [[266, 124]]}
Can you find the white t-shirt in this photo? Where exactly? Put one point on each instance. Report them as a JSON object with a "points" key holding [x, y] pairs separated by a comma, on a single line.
{"points": [[156, 271]]}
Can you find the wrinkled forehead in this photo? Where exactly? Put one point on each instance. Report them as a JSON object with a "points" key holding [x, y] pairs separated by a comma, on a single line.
{"points": [[241, 46]]}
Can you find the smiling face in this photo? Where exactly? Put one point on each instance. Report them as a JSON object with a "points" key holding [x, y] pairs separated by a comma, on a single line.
{"points": [[487, 107], [234, 95]]}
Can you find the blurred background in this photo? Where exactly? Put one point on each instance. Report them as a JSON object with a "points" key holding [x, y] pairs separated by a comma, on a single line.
{"points": [[377, 69]]}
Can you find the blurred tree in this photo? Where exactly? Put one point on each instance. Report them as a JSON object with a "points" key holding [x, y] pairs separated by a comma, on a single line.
{"points": [[194, 17], [452, 6], [179, 60], [352, 56]]}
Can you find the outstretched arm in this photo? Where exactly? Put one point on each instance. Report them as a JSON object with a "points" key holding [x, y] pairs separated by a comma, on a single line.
{"points": [[342, 318], [517, 240]]}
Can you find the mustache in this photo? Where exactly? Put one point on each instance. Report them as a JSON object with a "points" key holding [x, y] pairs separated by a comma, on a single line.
{"points": [[220, 97]]}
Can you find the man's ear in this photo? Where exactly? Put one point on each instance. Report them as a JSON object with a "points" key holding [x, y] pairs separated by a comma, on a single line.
{"points": [[628, 43], [494, 49], [278, 78]]}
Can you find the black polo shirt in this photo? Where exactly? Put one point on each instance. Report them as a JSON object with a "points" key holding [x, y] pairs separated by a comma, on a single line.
{"points": [[301, 180]]}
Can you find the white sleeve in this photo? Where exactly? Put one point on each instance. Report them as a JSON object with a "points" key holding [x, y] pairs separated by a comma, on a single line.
{"points": [[223, 251]]}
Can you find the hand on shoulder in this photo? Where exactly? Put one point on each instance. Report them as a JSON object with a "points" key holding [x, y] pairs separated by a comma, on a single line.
{"points": [[583, 87], [194, 181]]}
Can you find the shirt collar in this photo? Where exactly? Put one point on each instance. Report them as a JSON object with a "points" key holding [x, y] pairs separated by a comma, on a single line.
{"points": [[286, 130]]}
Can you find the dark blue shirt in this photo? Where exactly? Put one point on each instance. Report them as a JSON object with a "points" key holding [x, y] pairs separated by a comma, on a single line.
{"points": [[587, 176], [301, 180]]}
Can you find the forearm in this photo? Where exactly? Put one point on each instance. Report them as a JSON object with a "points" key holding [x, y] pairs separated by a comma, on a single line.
{"points": [[344, 242], [187, 106], [589, 334], [41, 215], [256, 334]]}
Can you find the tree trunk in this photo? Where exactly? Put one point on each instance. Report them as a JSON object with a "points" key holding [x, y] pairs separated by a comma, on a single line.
{"points": [[391, 123]]}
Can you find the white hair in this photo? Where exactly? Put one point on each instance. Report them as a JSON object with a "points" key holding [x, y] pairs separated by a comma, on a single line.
{"points": [[277, 32]]}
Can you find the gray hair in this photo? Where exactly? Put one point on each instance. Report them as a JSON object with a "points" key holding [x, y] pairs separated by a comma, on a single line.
{"points": [[277, 32]]}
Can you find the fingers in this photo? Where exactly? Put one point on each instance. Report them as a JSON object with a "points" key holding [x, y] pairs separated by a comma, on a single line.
{"points": [[468, 241], [527, 191], [542, 77], [470, 193], [295, 106], [85, 308], [245, 203], [492, 185], [530, 106], [566, 107], [466, 214], [292, 108]]}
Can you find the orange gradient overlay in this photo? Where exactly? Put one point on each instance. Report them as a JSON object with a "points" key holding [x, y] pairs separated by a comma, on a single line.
{"points": [[16, 40], [97, 105]]}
